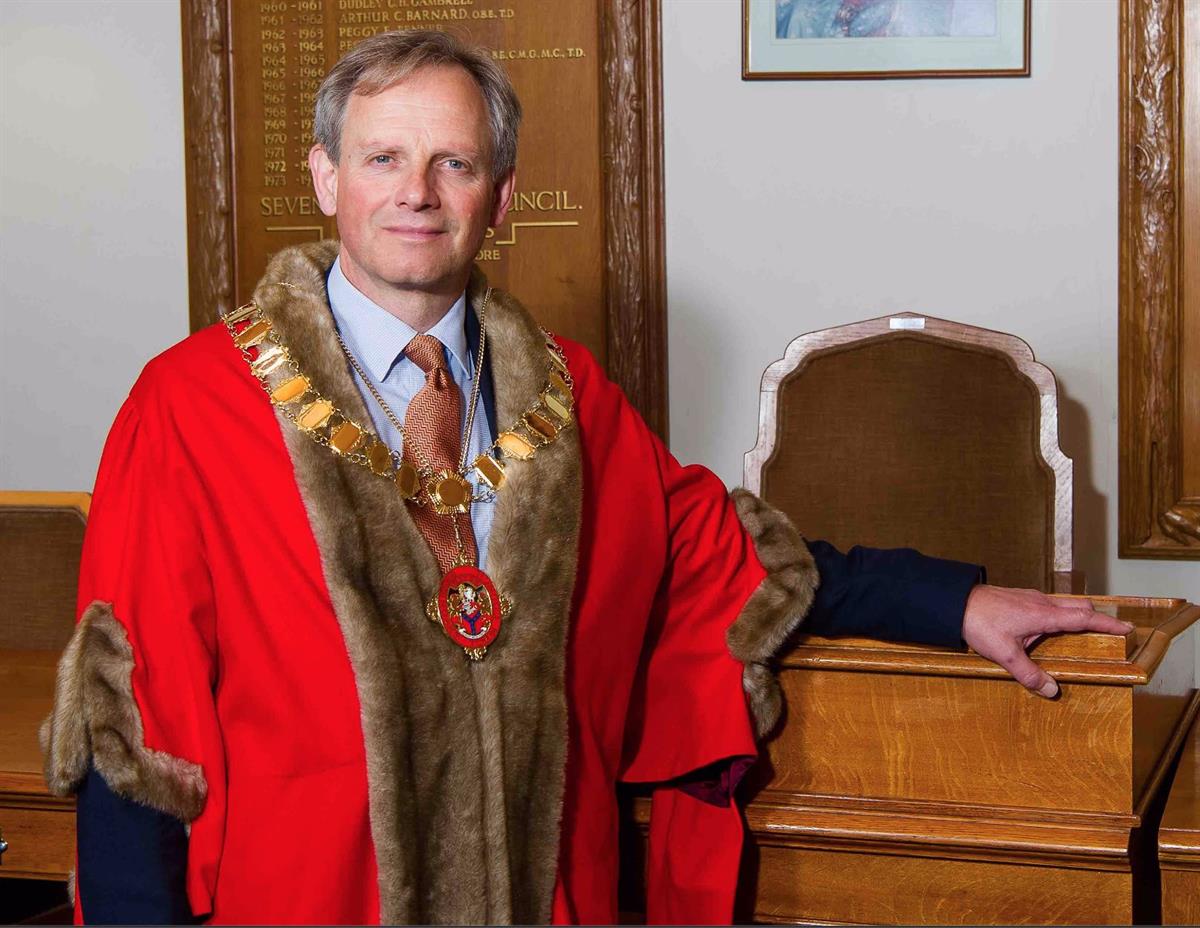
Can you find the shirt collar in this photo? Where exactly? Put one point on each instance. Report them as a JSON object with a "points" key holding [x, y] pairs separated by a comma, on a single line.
{"points": [[378, 339]]}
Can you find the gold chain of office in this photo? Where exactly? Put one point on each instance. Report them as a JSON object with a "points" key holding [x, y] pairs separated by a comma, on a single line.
{"points": [[291, 391]]}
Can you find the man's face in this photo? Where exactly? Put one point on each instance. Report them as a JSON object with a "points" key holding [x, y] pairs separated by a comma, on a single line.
{"points": [[413, 190]]}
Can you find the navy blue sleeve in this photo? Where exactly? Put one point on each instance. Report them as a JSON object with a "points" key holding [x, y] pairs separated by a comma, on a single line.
{"points": [[132, 860], [895, 594]]}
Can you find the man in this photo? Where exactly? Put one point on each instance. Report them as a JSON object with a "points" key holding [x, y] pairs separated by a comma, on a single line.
{"points": [[272, 650]]}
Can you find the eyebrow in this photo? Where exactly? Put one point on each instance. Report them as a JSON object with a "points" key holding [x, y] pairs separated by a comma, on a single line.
{"points": [[380, 145]]}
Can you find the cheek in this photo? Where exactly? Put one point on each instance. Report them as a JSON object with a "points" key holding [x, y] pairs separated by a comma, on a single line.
{"points": [[356, 217], [473, 204]]}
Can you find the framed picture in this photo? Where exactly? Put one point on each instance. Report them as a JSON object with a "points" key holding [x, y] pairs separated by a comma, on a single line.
{"points": [[853, 39]]}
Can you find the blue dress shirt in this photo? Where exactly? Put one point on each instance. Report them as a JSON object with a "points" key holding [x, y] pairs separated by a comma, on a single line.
{"points": [[377, 339]]}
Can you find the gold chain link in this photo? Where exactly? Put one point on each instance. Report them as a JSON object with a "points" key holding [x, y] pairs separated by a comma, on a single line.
{"points": [[554, 409]]}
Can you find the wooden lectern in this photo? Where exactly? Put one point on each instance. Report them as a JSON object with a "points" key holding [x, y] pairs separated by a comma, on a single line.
{"points": [[918, 785]]}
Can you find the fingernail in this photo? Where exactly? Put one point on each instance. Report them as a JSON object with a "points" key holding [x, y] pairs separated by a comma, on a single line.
{"points": [[1129, 625], [1049, 689]]}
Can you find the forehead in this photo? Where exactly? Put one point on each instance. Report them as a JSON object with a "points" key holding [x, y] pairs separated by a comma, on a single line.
{"points": [[442, 100]]}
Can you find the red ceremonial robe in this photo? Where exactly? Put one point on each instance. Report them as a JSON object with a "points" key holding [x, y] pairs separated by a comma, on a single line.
{"points": [[253, 655]]}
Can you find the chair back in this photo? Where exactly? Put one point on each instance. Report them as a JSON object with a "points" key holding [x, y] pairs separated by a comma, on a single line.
{"points": [[908, 431], [41, 539]]}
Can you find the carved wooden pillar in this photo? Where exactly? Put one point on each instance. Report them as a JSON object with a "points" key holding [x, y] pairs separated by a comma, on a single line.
{"points": [[1159, 345], [634, 261], [208, 160]]}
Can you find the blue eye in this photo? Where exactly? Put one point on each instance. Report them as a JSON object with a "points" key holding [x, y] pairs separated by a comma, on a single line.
{"points": [[455, 164], [381, 159]]}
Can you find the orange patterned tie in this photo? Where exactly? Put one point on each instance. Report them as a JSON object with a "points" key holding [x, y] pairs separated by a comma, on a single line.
{"points": [[434, 424]]}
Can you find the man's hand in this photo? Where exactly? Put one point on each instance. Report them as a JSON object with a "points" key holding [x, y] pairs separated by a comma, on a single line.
{"points": [[1000, 623]]}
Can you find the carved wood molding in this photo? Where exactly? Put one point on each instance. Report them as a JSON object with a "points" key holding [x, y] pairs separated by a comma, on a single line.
{"points": [[635, 277], [631, 136], [1156, 519], [208, 160]]}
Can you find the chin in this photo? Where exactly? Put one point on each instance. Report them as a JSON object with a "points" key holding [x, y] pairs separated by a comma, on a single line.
{"points": [[417, 278]]}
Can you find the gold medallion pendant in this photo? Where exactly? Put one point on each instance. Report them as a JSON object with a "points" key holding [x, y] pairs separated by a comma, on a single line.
{"points": [[469, 609], [450, 493]]}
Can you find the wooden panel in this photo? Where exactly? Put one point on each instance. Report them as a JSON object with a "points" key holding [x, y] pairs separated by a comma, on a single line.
{"points": [[41, 842], [1180, 897], [818, 886], [1179, 833], [582, 246], [945, 739], [923, 829], [550, 49], [1159, 317], [27, 685], [1163, 705]]}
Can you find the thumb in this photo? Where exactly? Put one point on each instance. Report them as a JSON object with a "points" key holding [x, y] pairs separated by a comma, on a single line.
{"points": [[1030, 675]]}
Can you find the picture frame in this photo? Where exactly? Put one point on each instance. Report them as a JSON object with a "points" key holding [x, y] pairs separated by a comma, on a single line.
{"points": [[873, 39], [1159, 282]]}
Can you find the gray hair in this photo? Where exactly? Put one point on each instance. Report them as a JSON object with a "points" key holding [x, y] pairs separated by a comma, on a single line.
{"points": [[376, 63]]}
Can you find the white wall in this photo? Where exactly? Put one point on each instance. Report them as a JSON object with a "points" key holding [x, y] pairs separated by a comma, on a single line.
{"points": [[797, 205], [93, 266]]}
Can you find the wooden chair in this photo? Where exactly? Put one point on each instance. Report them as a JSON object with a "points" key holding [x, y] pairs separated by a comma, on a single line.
{"points": [[41, 539], [913, 784], [909, 431]]}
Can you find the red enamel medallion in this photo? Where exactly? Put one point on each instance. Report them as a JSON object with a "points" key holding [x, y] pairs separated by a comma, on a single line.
{"points": [[470, 609]]}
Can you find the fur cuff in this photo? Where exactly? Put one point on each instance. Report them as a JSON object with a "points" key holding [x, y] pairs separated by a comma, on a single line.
{"points": [[775, 609], [96, 722]]}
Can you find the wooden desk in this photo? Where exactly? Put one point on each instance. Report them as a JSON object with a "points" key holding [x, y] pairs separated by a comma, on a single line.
{"points": [[39, 828], [916, 785], [1179, 839]]}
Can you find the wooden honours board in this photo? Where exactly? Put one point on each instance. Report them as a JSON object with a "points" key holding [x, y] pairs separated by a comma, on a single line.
{"points": [[581, 246]]}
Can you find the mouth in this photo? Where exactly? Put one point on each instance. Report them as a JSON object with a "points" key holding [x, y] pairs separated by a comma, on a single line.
{"points": [[414, 233]]}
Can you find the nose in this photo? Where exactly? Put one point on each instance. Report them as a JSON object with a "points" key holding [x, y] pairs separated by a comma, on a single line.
{"points": [[416, 189]]}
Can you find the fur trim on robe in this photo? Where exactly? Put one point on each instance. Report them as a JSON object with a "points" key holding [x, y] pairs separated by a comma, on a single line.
{"points": [[435, 725], [774, 611], [97, 722]]}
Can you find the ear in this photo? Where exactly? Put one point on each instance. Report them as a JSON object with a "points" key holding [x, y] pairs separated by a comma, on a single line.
{"points": [[325, 178], [503, 197]]}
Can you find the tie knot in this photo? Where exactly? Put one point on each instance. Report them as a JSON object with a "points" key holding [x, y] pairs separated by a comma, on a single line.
{"points": [[426, 352]]}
